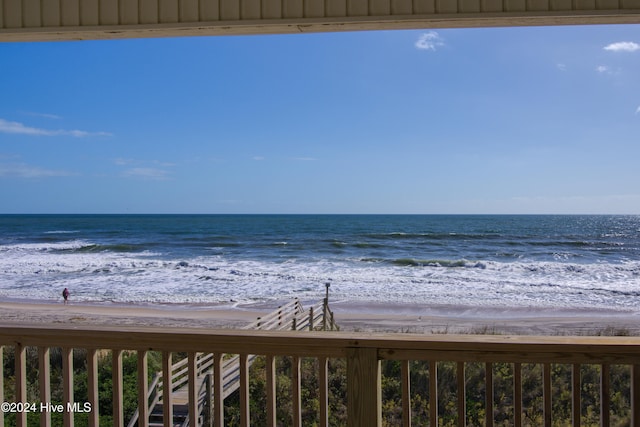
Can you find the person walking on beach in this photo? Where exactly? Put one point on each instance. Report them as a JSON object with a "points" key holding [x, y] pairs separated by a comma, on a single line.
{"points": [[65, 295]]}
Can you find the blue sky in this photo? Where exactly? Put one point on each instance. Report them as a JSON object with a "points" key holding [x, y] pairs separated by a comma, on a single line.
{"points": [[499, 120]]}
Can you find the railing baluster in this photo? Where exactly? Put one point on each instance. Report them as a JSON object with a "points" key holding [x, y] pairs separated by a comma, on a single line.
{"points": [[576, 398], [433, 393], [605, 395], [193, 388], [143, 387], [635, 395], [546, 394], [406, 394], [218, 389], [271, 391], [67, 385], [1, 382], [21, 382], [44, 380], [517, 395], [296, 398], [167, 388], [245, 415], [208, 404], [323, 380], [92, 387], [488, 378], [462, 395], [118, 401]]}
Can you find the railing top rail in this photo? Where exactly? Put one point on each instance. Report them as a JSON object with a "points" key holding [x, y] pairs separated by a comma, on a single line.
{"points": [[334, 344]]}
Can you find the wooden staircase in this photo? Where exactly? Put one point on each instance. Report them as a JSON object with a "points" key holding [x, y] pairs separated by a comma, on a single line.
{"points": [[291, 316], [180, 415]]}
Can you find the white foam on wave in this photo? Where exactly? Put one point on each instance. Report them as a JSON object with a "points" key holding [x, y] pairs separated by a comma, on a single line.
{"points": [[41, 271], [28, 248]]}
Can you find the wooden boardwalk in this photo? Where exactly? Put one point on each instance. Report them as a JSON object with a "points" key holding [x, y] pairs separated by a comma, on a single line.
{"points": [[291, 316]]}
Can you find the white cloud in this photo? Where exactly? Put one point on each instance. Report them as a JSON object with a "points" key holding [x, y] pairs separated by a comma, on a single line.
{"points": [[45, 115], [623, 47], [147, 173], [561, 67], [429, 41], [21, 170], [140, 169], [638, 110], [8, 156], [20, 129], [257, 158], [604, 69], [121, 161], [124, 161], [163, 164]]}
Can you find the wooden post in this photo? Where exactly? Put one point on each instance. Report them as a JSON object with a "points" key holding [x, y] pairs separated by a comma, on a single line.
{"points": [[44, 378], [635, 395], [245, 415], [462, 395], [118, 400], [433, 393], [326, 307], [1, 383], [517, 395], [323, 380], [193, 387], [167, 387], [21, 382], [311, 319], [546, 394], [575, 395], [364, 408], [209, 401], [488, 379], [218, 398], [605, 395], [143, 387], [271, 391], [406, 394], [296, 398], [67, 386], [92, 387]]}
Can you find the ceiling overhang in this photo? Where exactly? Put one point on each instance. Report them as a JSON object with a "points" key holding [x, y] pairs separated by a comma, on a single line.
{"points": [[47, 20]]}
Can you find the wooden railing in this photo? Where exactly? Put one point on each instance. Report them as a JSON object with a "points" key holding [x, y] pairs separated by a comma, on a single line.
{"points": [[291, 316], [363, 353]]}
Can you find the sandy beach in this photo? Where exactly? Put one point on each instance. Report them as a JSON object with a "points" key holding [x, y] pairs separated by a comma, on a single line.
{"points": [[381, 317]]}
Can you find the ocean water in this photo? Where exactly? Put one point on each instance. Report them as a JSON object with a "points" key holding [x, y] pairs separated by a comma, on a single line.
{"points": [[470, 260]]}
